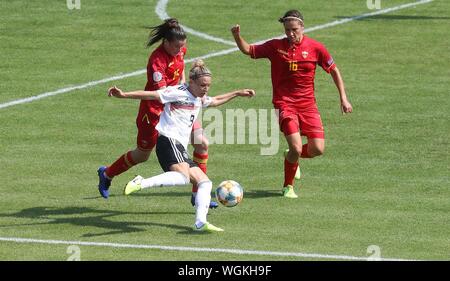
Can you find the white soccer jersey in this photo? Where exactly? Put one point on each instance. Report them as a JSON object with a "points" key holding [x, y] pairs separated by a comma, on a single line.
{"points": [[181, 109]]}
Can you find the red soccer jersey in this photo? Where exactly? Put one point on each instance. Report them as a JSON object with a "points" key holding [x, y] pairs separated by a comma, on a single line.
{"points": [[162, 70], [293, 69]]}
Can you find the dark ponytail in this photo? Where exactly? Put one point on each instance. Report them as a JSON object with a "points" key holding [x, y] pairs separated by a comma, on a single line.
{"points": [[170, 30]]}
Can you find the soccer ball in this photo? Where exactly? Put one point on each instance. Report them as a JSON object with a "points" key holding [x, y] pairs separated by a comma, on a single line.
{"points": [[229, 193]]}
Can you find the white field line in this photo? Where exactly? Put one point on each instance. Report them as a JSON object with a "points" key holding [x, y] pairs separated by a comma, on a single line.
{"points": [[194, 249], [210, 55], [160, 10]]}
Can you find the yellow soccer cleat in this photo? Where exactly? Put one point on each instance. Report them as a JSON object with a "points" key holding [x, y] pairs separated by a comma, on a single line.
{"points": [[288, 191], [298, 173], [133, 186], [207, 227]]}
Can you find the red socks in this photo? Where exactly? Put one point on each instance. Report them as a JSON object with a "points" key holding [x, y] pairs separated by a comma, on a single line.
{"points": [[289, 172], [122, 164], [200, 160]]}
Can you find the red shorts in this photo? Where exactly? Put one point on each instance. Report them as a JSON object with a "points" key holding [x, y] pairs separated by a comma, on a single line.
{"points": [[306, 121], [147, 133]]}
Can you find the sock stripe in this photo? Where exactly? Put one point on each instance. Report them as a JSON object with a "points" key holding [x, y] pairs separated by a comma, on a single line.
{"points": [[200, 160], [129, 159], [203, 181], [127, 162]]}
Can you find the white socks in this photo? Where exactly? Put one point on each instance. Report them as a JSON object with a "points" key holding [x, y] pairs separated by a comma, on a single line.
{"points": [[202, 201], [166, 179]]}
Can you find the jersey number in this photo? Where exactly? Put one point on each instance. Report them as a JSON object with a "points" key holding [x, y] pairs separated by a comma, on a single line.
{"points": [[293, 66], [176, 74]]}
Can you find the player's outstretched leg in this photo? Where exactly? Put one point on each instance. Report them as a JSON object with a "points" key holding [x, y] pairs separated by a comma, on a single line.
{"points": [[170, 178]]}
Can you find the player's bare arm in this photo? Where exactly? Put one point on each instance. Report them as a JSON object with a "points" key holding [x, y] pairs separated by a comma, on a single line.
{"points": [[142, 95], [346, 107], [221, 99], [241, 43]]}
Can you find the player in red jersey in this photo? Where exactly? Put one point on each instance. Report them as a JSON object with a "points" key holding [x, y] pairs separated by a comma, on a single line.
{"points": [[293, 64], [165, 68]]}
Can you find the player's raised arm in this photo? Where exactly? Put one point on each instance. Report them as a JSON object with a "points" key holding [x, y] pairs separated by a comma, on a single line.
{"points": [[142, 95], [224, 98], [241, 43]]}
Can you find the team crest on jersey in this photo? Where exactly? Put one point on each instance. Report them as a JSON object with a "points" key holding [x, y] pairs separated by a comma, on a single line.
{"points": [[304, 54], [157, 76]]}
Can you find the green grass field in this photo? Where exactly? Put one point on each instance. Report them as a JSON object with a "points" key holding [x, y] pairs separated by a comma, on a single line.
{"points": [[383, 180]]}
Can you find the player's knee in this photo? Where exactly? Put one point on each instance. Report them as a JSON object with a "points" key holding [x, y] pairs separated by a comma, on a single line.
{"points": [[296, 151], [183, 170], [201, 146], [316, 151], [205, 184], [197, 175], [140, 156], [185, 177]]}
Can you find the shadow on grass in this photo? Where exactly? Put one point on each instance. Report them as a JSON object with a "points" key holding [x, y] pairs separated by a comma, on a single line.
{"points": [[247, 194], [89, 217], [187, 194], [262, 194], [145, 193]]}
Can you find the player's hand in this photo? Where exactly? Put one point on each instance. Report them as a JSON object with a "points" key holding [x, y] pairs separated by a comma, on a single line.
{"points": [[115, 92], [236, 30], [346, 107], [246, 93]]}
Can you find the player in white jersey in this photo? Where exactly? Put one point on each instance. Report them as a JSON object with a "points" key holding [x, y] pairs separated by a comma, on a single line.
{"points": [[181, 109], [182, 105]]}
